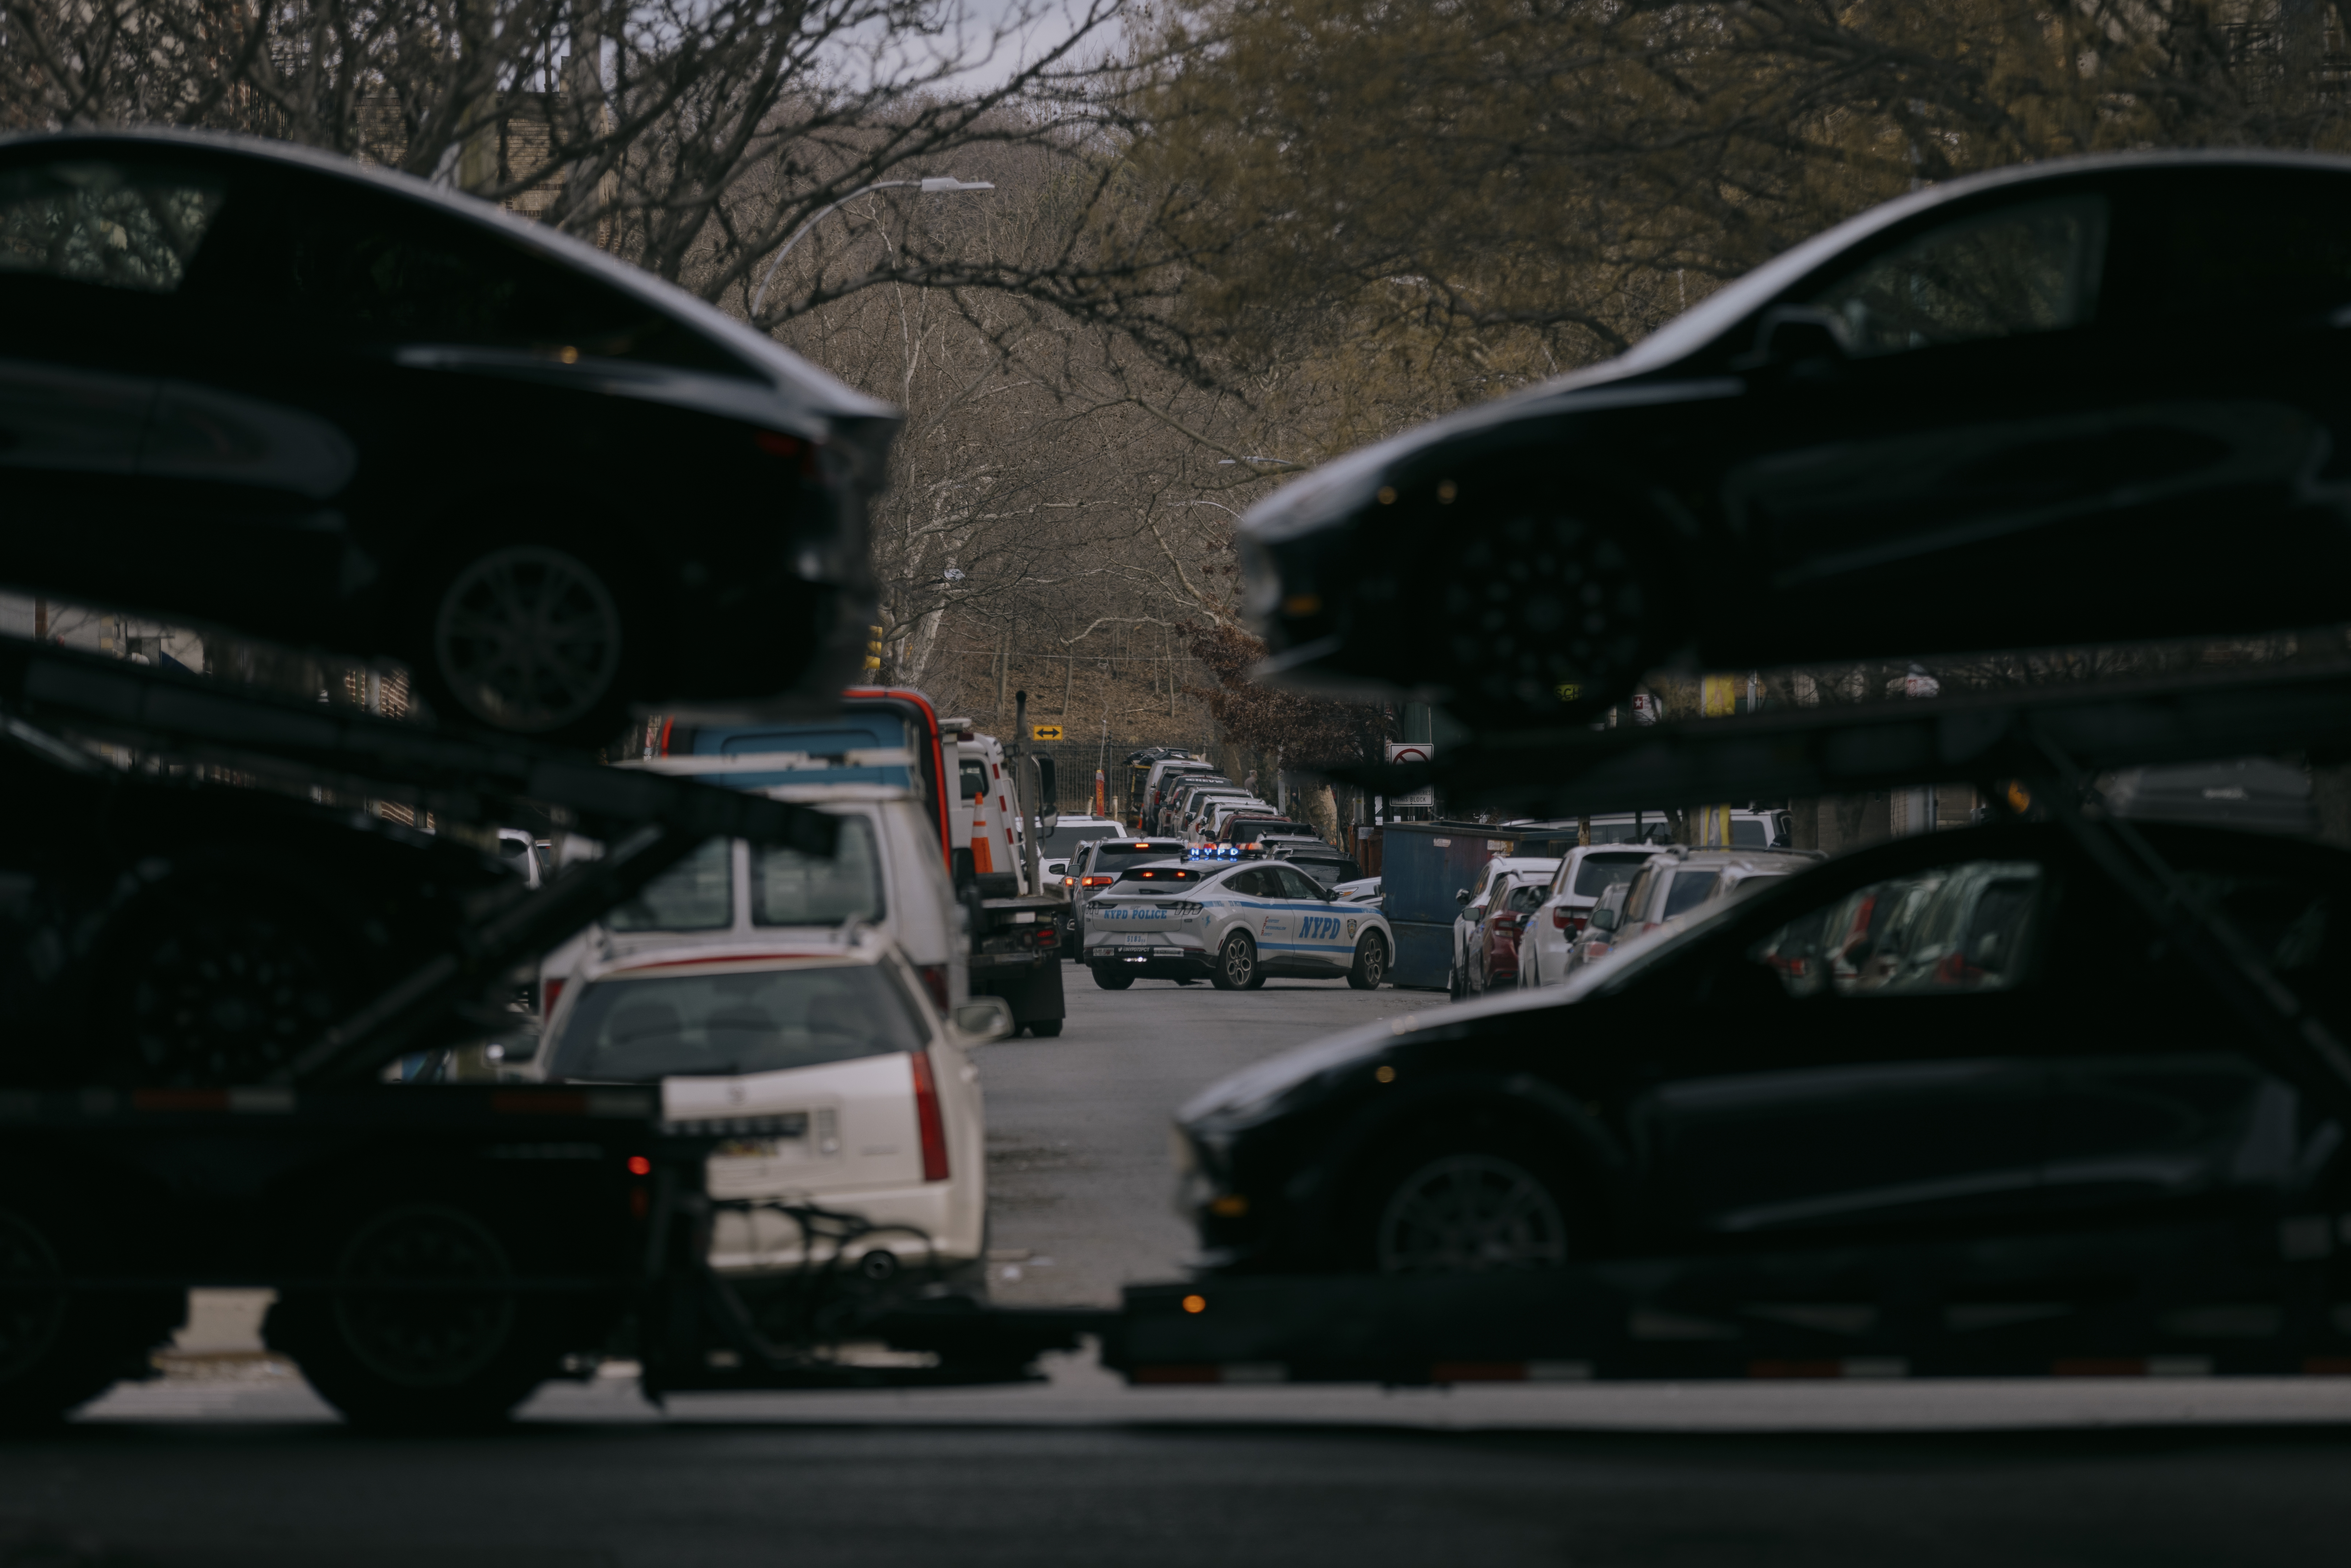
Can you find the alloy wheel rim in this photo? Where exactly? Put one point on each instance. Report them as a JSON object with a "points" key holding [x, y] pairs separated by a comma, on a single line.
{"points": [[1467, 1214], [529, 638], [1375, 962], [1237, 963]]}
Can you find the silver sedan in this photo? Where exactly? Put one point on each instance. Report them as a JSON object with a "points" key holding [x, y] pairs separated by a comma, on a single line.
{"points": [[1237, 925]]}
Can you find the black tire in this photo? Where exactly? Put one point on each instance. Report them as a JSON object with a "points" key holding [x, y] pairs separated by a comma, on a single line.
{"points": [[527, 639], [1465, 1199], [1046, 1028], [414, 1360], [1112, 977], [1453, 989], [1371, 966], [1236, 969], [205, 981], [58, 1351]]}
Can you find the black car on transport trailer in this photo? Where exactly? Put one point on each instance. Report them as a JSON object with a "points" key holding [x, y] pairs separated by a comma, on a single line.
{"points": [[2002, 411], [1968, 1041], [170, 933], [252, 386]]}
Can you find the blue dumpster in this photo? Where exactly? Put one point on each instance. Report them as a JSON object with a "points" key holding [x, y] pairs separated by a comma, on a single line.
{"points": [[1422, 866]]}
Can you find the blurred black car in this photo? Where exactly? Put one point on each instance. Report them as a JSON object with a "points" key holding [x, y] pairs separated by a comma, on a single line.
{"points": [[1969, 1037], [245, 385], [2077, 402], [172, 934]]}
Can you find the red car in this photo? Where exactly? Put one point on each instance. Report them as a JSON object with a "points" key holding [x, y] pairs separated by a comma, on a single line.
{"points": [[1494, 956]]}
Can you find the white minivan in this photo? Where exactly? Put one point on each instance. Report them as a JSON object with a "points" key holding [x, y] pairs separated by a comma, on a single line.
{"points": [[887, 878]]}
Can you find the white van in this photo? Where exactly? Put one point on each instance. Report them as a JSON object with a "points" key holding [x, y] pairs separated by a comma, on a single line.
{"points": [[886, 878]]}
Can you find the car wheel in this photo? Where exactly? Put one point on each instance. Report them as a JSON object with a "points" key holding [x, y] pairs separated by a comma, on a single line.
{"points": [[205, 985], [528, 639], [460, 1356], [58, 1350], [1371, 966], [1046, 1028], [1467, 1209], [1237, 968], [1112, 977]]}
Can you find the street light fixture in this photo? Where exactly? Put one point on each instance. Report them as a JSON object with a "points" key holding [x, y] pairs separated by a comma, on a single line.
{"points": [[937, 184]]}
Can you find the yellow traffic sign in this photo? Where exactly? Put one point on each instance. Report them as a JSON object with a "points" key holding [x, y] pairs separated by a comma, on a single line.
{"points": [[1045, 732]]}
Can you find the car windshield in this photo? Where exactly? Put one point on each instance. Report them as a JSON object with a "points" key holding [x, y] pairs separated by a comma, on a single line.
{"points": [[1163, 878], [626, 1028], [1064, 840], [1116, 857]]}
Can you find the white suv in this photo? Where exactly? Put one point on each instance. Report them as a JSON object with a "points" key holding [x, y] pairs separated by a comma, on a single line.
{"points": [[856, 1144], [1584, 873]]}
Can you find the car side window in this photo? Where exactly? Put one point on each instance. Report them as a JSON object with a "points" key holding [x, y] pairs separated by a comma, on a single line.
{"points": [[1689, 890], [1295, 884], [1973, 926], [104, 224], [2251, 245], [2020, 269], [361, 268]]}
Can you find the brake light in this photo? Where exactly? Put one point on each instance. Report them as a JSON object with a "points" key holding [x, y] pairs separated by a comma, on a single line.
{"points": [[933, 1126], [548, 993], [935, 980], [1098, 881], [775, 443], [1049, 936]]}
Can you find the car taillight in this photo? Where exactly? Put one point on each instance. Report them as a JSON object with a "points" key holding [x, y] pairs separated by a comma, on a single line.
{"points": [[547, 993], [1048, 936], [935, 980], [775, 443], [933, 1126], [1098, 881]]}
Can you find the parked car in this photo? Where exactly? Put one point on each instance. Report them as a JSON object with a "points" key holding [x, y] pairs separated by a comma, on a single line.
{"points": [[1473, 901], [274, 368], [1216, 812], [1678, 880], [1237, 925], [2036, 1099], [1494, 949], [871, 1174], [1845, 453], [1585, 872], [164, 933], [1359, 889], [1162, 778], [1177, 799], [1600, 936]]}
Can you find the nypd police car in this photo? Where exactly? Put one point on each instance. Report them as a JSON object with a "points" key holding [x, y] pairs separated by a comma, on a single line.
{"points": [[1237, 923]]}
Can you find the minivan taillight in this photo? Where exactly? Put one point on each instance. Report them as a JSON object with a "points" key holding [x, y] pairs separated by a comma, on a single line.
{"points": [[1564, 919], [927, 1120], [935, 980]]}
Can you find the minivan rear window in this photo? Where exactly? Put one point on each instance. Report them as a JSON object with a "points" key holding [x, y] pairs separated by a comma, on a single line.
{"points": [[789, 888], [629, 1030], [1114, 857], [1689, 890], [695, 894]]}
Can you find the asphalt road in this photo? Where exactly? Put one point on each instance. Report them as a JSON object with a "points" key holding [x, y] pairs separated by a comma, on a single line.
{"points": [[233, 1462], [1079, 1186]]}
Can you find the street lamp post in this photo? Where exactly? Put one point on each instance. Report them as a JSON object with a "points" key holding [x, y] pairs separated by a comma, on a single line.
{"points": [[936, 186]]}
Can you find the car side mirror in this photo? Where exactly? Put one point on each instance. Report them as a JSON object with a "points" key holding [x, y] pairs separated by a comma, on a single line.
{"points": [[1460, 896], [1604, 920], [983, 1018], [1795, 334]]}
